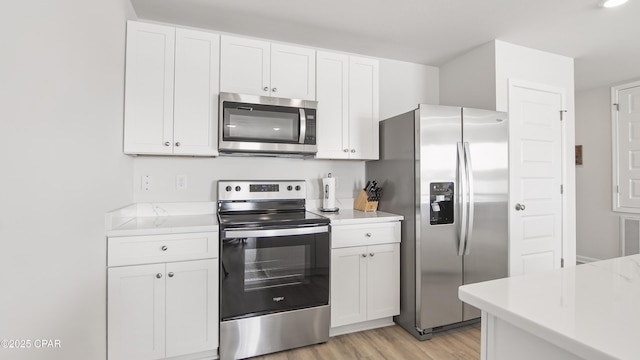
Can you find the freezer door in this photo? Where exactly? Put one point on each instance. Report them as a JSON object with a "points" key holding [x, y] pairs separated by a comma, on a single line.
{"points": [[485, 136], [438, 266]]}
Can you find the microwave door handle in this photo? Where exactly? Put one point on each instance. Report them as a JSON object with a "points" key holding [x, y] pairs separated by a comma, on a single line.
{"points": [[303, 126]]}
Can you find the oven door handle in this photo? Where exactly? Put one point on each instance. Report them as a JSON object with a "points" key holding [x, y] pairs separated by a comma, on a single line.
{"points": [[236, 234]]}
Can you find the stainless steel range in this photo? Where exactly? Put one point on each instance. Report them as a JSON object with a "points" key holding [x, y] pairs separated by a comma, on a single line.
{"points": [[274, 276]]}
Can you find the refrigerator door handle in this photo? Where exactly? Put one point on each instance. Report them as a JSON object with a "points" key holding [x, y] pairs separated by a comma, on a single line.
{"points": [[462, 200], [470, 197]]}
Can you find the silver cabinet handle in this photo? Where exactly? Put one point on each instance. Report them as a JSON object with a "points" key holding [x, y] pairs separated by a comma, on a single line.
{"points": [[367, 234], [364, 255], [266, 88], [274, 89], [167, 144], [353, 150], [170, 274], [178, 144], [158, 275], [520, 207], [164, 248], [371, 254], [346, 150]]}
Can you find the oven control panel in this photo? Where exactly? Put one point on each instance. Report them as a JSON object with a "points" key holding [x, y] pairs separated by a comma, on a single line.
{"points": [[261, 189]]}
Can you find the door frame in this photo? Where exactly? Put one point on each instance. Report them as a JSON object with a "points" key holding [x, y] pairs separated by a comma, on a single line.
{"points": [[615, 124], [567, 139]]}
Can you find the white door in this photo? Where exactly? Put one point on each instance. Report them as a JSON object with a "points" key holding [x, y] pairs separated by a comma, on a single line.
{"points": [[195, 130], [535, 200], [348, 285], [192, 306], [363, 108], [332, 86], [628, 151], [245, 66], [293, 72], [148, 112], [136, 312], [383, 281]]}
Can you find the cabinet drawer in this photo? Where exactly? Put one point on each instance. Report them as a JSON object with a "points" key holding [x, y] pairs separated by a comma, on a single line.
{"points": [[365, 234], [131, 250]]}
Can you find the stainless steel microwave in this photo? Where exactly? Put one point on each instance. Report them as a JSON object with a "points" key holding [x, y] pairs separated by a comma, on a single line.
{"points": [[252, 124]]}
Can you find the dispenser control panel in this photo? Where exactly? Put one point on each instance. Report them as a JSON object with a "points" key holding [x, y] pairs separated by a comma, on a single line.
{"points": [[442, 200]]}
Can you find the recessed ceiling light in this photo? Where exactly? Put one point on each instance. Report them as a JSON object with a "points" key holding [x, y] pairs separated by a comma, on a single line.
{"points": [[613, 3]]}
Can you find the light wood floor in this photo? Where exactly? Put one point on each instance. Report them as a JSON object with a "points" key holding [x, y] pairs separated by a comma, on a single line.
{"points": [[391, 342]]}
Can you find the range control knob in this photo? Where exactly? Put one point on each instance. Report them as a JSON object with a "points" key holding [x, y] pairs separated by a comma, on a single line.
{"points": [[289, 187], [228, 188], [237, 188], [298, 187]]}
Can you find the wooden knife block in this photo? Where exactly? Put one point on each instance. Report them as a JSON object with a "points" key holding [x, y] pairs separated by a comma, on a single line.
{"points": [[363, 204]]}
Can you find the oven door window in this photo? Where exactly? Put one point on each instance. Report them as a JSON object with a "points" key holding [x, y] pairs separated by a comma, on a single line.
{"points": [[260, 123], [271, 274]]}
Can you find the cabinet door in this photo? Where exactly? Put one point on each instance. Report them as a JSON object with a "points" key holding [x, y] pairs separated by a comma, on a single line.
{"points": [[195, 130], [383, 281], [148, 115], [293, 72], [136, 312], [363, 108], [245, 66], [192, 307], [348, 286], [333, 105]]}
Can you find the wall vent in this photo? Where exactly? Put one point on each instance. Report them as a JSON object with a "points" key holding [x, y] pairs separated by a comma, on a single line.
{"points": [[629, 235]]}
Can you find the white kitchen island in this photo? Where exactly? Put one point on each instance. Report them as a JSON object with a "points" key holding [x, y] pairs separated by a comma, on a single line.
{"points": [[590, 311]]}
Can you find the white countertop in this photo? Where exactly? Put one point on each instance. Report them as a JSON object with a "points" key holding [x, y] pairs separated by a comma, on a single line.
{"points": [[351, 216], [172, 218], [591, 310], [161, 218]]}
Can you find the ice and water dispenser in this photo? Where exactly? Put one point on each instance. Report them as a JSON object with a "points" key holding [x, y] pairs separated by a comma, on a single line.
{"points": [[441, 203]]}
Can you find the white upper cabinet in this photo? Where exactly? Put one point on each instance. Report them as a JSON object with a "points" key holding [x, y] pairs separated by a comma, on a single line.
{"points": [[363, 108], [256, 67], [195, 129], [171, 97], [148, 111], [332, 129], [347, 94]]}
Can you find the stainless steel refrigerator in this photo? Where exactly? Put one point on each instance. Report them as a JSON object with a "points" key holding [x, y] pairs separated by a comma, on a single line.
{"points": [[446, 170]]}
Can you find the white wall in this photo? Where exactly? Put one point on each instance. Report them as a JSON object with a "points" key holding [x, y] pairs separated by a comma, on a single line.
{"points": [[62, 168], [526, 64], [598, 226], [402, 87], [470, 79]]}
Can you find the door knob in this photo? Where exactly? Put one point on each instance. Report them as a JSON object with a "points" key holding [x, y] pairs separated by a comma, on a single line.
{"points": [[266, 88], [520, 207]]}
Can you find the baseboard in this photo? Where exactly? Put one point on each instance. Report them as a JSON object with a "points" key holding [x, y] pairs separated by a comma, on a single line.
{"points": [[584, 259], [366, 325]]}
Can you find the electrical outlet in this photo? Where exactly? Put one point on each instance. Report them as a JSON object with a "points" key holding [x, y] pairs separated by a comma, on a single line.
{"points": [[181, 182], [146, 182]]}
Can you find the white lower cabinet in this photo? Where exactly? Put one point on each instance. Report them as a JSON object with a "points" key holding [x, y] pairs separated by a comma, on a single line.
{"points": [[162, 310], [365, 279]]}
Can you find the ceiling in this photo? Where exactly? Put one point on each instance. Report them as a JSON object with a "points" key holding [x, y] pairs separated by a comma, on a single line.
{"points": [[603, 42]]}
